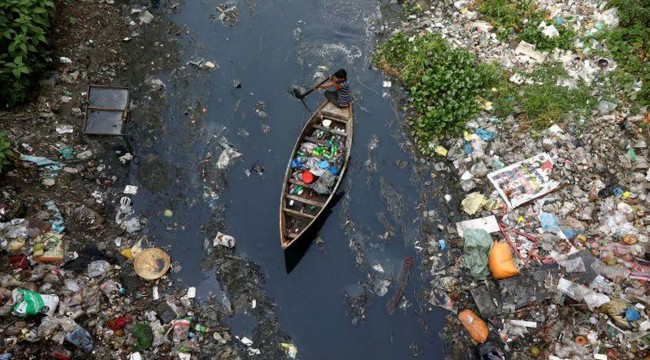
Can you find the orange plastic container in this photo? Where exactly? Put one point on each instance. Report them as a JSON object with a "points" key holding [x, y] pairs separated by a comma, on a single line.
{"points": [[502, 265], [476, 327]]}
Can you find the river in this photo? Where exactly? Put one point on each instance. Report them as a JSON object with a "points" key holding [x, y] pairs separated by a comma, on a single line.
{"points": [[270, 46]]}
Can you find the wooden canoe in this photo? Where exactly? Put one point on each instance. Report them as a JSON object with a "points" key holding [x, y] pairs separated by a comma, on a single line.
{"points": [[326, 139]]}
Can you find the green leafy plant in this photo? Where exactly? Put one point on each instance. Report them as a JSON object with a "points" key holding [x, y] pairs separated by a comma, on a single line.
{"points": [[6, 154], [23, 28], [445, 85]]}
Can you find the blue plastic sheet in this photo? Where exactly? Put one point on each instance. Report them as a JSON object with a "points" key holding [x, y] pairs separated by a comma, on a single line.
{"points": [[41, 161], [549, 222], [631, 315], [468, 147], [485, 135], [57, 220]]}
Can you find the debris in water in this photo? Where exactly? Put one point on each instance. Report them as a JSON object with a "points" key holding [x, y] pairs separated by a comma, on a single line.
{"points": [[407, 265]]}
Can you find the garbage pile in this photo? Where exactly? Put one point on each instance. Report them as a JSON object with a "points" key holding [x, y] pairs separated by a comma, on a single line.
{"points": [[553, 260], [575, 216], [461, 24], [91, 303]]}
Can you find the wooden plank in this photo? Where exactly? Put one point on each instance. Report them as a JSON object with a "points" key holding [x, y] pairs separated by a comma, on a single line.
{"points": [[342, 113], [315, 141], [335, 115], [329, 130], [305, 201], [298, 213]]}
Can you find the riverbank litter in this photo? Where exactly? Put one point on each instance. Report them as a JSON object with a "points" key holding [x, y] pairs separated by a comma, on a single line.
{"points": [[80, 277], [567, 208]]}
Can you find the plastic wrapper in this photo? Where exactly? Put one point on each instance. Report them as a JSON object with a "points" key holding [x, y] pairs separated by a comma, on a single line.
{"points": [[27, 302], [98, 268], [582, 293], [81, 338]]}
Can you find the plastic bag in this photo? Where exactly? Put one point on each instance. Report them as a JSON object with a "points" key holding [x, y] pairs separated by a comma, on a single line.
{"points": [[324, 183], [476, 327], [98, 268], [572, 265], [502, 264], [29, 302], [485, 135], [54, 251], [289, 349], [473, 203], [549, 222], [223, 240], [81, 339], [477, 246], [582, 293], [227, 155]]}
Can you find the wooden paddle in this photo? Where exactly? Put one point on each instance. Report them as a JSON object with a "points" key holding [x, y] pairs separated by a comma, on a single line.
{"points": [[302, 96]]}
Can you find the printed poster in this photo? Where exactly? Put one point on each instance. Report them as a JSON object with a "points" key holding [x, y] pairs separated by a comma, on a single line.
{"points": [[524, 181]]}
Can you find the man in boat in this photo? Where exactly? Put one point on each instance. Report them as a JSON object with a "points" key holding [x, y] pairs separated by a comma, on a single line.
{"points": [[340, 96]]}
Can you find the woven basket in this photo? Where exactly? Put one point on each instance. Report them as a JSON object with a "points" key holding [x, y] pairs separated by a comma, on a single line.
{"points": [[152, 263]]}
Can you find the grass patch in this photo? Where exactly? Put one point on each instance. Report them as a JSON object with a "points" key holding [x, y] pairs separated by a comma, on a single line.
{"points": [[629, 44], [545, 102], [445, 84], [521, 19]]}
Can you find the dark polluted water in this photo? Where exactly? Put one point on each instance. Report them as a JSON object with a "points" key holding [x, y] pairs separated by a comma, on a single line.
{"points": [[331, 293]]}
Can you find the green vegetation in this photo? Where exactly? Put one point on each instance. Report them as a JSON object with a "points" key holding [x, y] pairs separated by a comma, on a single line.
{"points": [[630, 44], [23, 26], [6, 154], [522, 18], [445, 84], [543, 103]]}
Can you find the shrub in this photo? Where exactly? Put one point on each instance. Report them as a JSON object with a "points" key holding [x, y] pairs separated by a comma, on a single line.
{"points": [[23, 26], [444, 84], [6, 154]]}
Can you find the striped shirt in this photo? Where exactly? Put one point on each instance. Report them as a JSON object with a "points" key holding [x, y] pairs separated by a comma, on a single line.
{"points": [[344, 96]]}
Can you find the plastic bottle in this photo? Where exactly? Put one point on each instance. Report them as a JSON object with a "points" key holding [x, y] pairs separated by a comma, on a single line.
{"points": [[201, 328], [612, 272]]}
